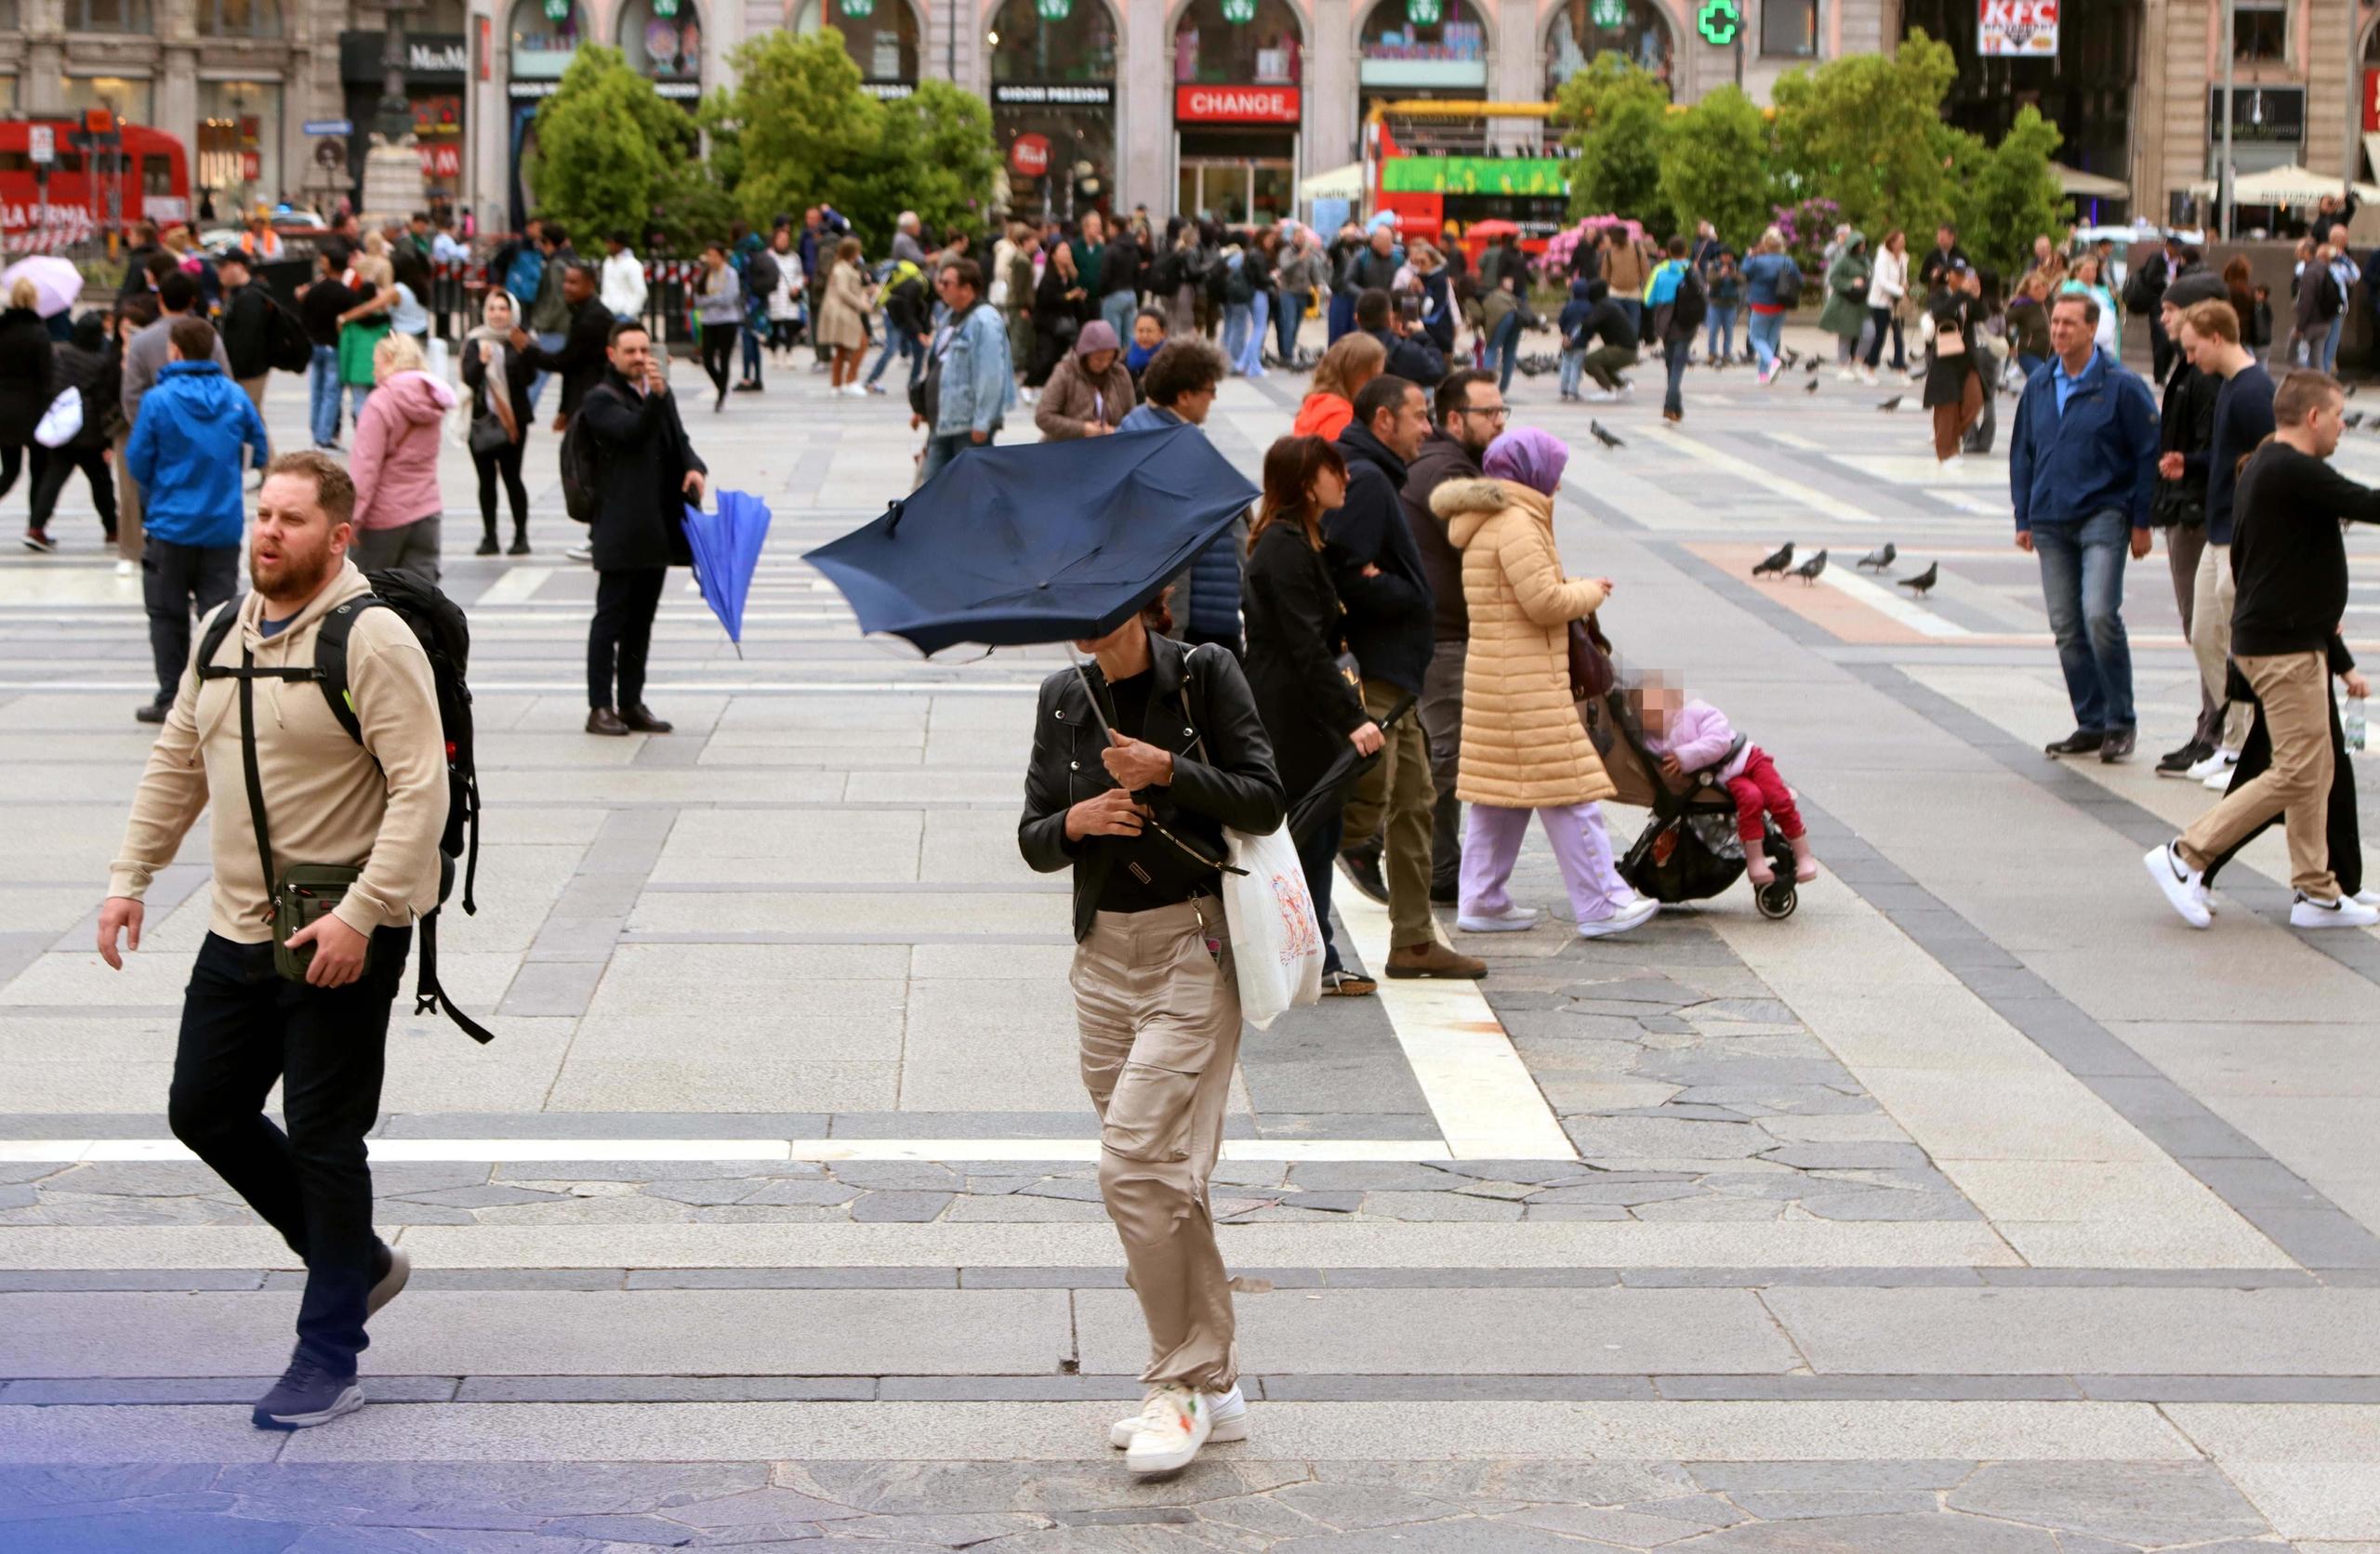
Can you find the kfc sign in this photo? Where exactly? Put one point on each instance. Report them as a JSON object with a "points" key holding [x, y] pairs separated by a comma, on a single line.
{"points": [[2017, 28], [1236, 105]]}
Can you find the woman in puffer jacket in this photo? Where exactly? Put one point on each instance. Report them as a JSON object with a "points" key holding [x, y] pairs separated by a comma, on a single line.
{"points": [[395, 464], [1525, 749]]}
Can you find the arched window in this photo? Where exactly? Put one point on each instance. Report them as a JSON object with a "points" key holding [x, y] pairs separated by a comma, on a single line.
{"points": [[108, 15], [1053, 40], [880, 35], [663, 38], [239, 18], [1430, 44], [545, 34], [1638, 30], [1237, 43]]}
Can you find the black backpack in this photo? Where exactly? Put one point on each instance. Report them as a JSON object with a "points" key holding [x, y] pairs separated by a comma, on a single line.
{"points": [[2328, 302], [1691, 305], [1789, 286], [760, 276], [439, 624], [582, 466], [292, 350]]}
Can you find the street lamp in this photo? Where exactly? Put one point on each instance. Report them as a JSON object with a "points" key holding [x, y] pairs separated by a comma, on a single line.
{"points": [[396, 110]]}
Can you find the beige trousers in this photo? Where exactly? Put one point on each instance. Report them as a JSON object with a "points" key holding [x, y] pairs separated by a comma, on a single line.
{"points": [[2295, 689], [2211, 602], [128, 503], [1158, 1012]]}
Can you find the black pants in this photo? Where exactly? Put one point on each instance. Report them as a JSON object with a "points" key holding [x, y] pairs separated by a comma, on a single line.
{"points": [[1318, 850], [12, 463], [504, 462], [174, 578], [243, 1028], [719, 352], [56, 467], [622, 633], [2344, 835]]}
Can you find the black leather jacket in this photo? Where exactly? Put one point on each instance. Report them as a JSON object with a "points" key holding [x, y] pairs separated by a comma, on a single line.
{"points": [[1222, 767]]}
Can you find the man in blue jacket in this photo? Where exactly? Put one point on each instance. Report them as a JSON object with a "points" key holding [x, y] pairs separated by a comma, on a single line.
{"points": [[185, 456], [974, 383], [2082, 467]]}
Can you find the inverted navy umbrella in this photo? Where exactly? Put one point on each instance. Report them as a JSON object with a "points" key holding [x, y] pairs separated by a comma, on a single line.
{"points": [[727, 550], [1042, 542]]}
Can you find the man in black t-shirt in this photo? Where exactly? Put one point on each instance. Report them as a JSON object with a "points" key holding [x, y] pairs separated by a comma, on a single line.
{"points": [[2293, 580], [319, 303]]}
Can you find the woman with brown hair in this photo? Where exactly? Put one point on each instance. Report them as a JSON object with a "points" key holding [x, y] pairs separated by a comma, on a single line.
{"points": [[1352, 362], [1310, 706], [842, 317]]}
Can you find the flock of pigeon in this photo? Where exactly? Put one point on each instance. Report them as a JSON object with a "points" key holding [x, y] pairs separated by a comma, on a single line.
{"points": [[1878, 560]]}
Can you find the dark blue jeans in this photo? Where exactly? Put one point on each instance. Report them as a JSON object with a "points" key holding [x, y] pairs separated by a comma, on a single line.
{"points": [[2083, 585], [1289, 311], [1674, 400], [242, 1028], [1506, 342]]}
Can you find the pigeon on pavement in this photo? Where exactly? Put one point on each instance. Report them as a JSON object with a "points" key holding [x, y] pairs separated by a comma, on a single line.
{"points": [[1880, 557], [1893, 403], [1808, 570], [1603, 437], [1923, 580], [1775, 566]]}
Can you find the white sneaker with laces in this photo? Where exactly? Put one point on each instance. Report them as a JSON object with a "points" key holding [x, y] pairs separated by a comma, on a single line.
{"points": [[1621, 920], [2181, 884], [2222, 761], [2219, 781], [2337, 913], [1513, 920], [1227, 1411], [1600, 396], [1173, 1424]]}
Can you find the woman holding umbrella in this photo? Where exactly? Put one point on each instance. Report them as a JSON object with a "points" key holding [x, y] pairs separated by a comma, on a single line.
{"points": [[1311, 709], [1132, 793]]}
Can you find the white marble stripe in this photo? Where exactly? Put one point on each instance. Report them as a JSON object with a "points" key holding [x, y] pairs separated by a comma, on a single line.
{"points": [[1478, 1089], [1892, 606], [1745, 469]]}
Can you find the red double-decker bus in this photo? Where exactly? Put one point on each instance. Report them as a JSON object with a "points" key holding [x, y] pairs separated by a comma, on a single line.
{"points": [[102, 175]]}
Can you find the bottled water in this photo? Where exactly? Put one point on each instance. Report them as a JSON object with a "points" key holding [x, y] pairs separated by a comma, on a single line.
{"points": [[2351, 725]]}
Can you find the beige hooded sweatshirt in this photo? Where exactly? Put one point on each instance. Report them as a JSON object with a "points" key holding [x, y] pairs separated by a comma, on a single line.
{"points": [[378, 806]]}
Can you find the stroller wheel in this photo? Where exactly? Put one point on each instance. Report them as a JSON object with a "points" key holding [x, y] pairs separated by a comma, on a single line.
{"points": [[1777, 902]]}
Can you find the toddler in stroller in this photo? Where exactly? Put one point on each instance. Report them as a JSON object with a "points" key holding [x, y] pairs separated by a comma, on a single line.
{"points": [[1690, 738]]}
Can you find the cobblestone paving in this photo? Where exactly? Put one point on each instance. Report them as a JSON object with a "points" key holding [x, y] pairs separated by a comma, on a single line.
{"points": [[1237, 1505]]}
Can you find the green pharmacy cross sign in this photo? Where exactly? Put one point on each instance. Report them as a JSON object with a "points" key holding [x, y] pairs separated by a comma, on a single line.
{"points": [[1719, 22], [1239, 12], [558, 10], [1609, 16], [1053, 10], [858, 7], [1424, 13]]}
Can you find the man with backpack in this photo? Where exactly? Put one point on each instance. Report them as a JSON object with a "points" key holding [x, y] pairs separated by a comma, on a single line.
{"points": [[648, 472], [970, 383], [907, 326], [356, 820], [246, 321], [1679, 305]]}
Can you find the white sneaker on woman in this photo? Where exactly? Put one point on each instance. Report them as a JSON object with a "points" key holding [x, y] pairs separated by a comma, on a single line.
{"points": [[1173, 1424], [1634, 914], [1513, 920], [1227, 1411]]}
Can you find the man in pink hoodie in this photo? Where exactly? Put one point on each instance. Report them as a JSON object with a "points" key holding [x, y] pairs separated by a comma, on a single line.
{"points": [[395, 464]]}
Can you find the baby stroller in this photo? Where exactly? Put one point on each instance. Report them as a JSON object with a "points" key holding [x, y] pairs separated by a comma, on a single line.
{"points": [[1689, 851]]}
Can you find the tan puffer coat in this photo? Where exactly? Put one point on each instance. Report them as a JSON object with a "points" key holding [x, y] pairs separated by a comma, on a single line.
{"points": [[1523, 746]]}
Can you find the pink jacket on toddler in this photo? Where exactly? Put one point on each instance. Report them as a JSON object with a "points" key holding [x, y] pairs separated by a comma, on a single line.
{"points": [[1698, 736]]}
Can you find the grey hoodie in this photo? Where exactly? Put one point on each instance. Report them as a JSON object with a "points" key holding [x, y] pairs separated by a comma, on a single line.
{"points": [[145, 353]]}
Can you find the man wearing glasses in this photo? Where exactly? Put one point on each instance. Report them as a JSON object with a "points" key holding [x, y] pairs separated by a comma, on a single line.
{"points": [[969, 384], [1468, 413]]}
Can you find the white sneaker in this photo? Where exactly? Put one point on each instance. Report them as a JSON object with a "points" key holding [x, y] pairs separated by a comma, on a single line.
{"points": [[1622, 918], [1626, 388], [1600, 396], [2368, 898], [2219, 781], [1867, 376], [2222, 761], [1513, 920], [1847, 376], [1227, 1411], [579, 553], [124, 569], [2339, 913], [1956, 461], [2181, 884], [1173, 1424]]}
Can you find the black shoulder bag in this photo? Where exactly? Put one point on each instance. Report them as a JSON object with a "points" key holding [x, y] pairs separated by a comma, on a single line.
{"points": [[304, 893]]}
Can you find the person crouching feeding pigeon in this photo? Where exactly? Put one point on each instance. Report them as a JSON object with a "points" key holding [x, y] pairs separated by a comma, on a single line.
{"points": [[1132, 793]]}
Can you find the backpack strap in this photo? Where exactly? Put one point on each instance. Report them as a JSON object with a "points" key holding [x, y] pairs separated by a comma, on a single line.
{"points": [[330, 659]]}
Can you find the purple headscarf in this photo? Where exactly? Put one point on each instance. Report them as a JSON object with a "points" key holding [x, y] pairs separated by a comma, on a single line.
{"points": [[1532, 457]]}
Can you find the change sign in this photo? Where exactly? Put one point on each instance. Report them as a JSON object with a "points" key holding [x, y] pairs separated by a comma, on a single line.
{"points": [[2019, 28]]}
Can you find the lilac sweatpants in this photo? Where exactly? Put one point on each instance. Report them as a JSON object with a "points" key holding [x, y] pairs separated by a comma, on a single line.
{"points": [[1580, 849]]}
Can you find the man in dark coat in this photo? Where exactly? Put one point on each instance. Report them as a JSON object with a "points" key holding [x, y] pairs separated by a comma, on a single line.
{"points": [[1379, 574], [649, 472], [582, 359], [1468, 412], [247, 321]]}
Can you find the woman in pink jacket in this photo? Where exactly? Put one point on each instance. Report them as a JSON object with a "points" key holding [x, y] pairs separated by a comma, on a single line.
{"points": [[395, 463]]}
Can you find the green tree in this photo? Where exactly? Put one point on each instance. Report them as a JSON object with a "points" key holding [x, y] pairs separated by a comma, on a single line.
{"points": [[803, 125], [934, 155], [1865, 131], [607, 145], [1614, 115], [2006, 196], [1714, 166]]}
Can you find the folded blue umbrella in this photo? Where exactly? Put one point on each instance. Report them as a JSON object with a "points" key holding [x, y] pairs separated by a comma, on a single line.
{"points": [[727, 551], [1041, 542]]}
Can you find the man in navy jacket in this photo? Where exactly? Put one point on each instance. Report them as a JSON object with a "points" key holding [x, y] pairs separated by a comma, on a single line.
{"points": [[2082, 467]]}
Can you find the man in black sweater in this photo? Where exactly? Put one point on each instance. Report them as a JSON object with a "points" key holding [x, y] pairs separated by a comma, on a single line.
{"points": [[1386, 591], [2186, 426], [2243, 418], [2292, 566]]}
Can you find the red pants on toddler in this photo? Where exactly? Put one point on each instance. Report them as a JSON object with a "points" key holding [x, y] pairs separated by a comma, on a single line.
{"points": [[1758, 787]]}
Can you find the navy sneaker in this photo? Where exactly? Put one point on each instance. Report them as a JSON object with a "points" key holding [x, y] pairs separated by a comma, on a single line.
{"points": [[308, 1394]]}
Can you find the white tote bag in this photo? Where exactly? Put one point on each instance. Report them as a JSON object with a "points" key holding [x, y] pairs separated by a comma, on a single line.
{"points": [[1276, 943], [63, 422]]}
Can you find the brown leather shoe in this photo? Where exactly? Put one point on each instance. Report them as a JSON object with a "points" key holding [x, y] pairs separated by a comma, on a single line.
{"points": [[603, 720], [1432, 960], [641, 720]]}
